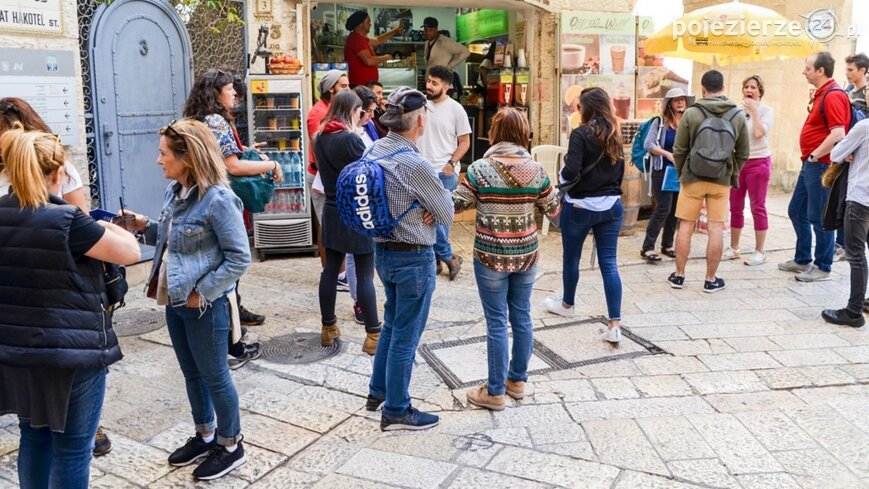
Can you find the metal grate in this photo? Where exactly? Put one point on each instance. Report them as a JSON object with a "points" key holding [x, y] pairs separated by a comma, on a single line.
{"points": [[134, 321], [554, 361], [282, 232], [86, 10], [299, 348]]}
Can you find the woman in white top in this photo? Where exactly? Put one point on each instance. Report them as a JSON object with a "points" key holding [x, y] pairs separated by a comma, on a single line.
{"points": [[12, 110], [754, 177]]}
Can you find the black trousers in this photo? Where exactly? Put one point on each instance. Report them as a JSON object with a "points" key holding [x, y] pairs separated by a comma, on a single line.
{"points": [[856, 235], [664, 215]]}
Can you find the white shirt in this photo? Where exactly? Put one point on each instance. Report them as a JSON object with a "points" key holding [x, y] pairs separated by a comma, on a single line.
{"points": [[445, 122], [760, 146], [72, 181], [856, 143]]}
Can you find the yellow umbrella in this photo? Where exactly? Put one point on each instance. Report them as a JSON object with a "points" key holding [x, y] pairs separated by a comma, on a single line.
{"points": [[732, 33]]}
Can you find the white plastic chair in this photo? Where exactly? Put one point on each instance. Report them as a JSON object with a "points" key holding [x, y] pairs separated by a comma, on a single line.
{"points": [[550, 157]]}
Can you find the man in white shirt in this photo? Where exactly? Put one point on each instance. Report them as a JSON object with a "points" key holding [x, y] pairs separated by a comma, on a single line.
{"points": [[445, 141], [441, 50]]}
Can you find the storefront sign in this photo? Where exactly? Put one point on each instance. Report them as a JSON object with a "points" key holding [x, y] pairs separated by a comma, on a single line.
{"points": [[37, 16], [597, 23], [47, 81], [481, 24]]}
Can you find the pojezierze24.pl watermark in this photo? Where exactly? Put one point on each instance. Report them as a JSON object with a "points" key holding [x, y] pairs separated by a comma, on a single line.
{"points": [[821, 25]]}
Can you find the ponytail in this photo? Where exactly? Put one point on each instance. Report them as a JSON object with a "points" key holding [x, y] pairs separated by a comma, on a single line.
{"points": [[29, 160]]}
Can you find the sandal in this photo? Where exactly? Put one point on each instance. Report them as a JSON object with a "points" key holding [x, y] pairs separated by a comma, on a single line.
{"points": [[671, 252], [650, 255]]}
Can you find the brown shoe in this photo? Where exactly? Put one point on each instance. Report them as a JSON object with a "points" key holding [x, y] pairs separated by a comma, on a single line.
{"points": [[455, 266], [439, 266], [481, 397], [369, 346], [516, 389], [329, 333], [102, 444]]}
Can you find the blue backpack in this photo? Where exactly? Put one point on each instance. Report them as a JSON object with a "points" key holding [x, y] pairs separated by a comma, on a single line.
{"points": [[361, 197], [857, 115], [639, 155]]}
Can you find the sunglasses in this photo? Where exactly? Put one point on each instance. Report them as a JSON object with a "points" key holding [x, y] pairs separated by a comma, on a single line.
{"points": [[171, 131], [7, 107]]}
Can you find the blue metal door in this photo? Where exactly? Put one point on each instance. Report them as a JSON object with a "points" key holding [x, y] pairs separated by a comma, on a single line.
{"points": [[141, 65]]}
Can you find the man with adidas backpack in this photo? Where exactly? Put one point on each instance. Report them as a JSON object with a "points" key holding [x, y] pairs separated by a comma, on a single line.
{"points": [[711, 146], [404, 259], [827, 122]]}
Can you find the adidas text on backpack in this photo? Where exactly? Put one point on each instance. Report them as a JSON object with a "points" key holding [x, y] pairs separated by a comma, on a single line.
{"points": [[361, 198], [713, 145]]}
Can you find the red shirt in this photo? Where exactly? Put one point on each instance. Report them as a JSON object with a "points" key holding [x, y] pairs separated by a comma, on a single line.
{"points": [[315, 117], [359, 72], [837, 112]]}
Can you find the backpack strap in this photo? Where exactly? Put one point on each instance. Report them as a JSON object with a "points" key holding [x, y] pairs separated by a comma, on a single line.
{"points": [[824, 99], [733, 111]]}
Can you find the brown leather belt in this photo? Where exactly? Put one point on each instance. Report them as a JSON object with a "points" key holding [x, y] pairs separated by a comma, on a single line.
{"points": [[396, 246]]}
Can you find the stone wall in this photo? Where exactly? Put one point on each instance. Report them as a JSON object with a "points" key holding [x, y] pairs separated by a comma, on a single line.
{"points": [[66, 41], [787, 91]]}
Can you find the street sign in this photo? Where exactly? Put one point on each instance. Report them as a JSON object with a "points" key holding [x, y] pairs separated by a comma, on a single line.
{"points": [[39, 17], [46, 80]]}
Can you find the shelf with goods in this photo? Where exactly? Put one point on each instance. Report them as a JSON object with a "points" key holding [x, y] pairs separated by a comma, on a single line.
{"points": [[277, 127]]}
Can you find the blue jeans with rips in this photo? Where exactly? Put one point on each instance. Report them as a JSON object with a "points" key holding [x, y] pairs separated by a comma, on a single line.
{"points": [[506, 296], [443, 250], [200, 342], [62, 460], [806, 210], [575, 226], [408, 279]]}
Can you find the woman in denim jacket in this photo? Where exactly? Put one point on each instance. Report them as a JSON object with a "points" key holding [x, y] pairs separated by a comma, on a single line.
{"points": [[201, 250]]}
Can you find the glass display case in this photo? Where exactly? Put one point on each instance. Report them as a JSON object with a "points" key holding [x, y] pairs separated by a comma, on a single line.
{"points": [[277, 122]]}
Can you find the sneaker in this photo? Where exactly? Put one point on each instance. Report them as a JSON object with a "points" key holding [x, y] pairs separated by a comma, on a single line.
{"points": [[454, 266], [373, 403], [480, 396], [220, 461], [413, 419], [252, 351], [676, 281], [613, 335], [357, 314], [555, 306], [369, 346], [792, 266], [102, 444], [840, 254], [248, 318], [843, 317], [813, 274], [194, 449], [342, 285], [730, 254], [713, 286], [756, 258], [516, 389]]}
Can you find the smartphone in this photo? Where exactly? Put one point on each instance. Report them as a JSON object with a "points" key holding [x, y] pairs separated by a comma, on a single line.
{"points": [[102, 215]]}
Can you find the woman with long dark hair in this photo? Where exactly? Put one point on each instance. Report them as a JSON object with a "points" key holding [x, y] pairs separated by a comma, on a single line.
{"points": [[594, 158], [336, 146], [56, 338], [659, 144], [201, 252]]}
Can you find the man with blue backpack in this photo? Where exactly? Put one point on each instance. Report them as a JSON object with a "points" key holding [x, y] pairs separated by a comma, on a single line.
{"points": [[830, 114], [403, 253]]}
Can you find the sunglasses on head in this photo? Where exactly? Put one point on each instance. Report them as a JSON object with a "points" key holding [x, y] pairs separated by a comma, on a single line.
{"points": [[7, 107], [171, 131]]}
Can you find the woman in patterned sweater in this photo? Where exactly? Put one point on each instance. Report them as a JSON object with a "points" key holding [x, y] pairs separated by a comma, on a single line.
{"points": [[505, 186]]}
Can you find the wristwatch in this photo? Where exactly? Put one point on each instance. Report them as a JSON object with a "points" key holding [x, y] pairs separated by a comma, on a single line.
{"points": [[812, 157], [457, 165]]}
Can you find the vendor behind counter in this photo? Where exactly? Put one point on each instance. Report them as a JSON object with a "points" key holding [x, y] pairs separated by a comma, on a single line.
{"points": [[359, 52]]}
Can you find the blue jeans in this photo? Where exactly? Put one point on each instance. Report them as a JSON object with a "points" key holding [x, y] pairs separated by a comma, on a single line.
{"points": [[408, 279], [506, 295], [806, 210], [575, 226], [200, 343], [442, 249], [62, 460]]}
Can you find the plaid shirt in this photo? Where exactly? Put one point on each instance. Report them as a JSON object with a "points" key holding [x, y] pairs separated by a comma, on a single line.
{"points": [[410, 177]]}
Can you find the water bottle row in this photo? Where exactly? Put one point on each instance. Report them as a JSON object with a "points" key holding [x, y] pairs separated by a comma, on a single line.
{"points": [[287, 201], [292, 165]]}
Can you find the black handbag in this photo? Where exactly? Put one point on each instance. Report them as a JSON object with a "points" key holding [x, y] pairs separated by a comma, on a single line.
{"points": [[115, 278]]}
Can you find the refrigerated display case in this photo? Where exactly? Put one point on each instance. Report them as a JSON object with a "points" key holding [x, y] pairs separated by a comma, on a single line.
{"points": [[277, 118]]}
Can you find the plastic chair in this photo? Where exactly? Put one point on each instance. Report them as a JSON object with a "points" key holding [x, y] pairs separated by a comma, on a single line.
{"points": [[550, 157]]}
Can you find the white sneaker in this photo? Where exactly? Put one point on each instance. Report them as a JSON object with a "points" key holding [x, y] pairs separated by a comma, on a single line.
{"points": [[612, 335], [756, 258], [813, 274], [730, 254], [555, 306]]}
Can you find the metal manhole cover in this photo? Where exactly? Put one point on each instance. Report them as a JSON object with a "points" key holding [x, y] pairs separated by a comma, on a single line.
{"points": [[135, 321], [298, 348]]}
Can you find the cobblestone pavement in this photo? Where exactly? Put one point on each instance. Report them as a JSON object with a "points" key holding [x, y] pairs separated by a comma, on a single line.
{"points": [[754, 390]]}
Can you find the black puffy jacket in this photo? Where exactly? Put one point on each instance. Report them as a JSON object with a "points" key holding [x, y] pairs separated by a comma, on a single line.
{"points": [[52, 310]]}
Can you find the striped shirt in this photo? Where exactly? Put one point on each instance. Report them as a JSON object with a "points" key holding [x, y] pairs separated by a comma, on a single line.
{"points": [[409, 177], [505, 195], [856, 144]]}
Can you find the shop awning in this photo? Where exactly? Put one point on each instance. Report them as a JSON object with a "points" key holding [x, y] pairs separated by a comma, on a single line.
{"points": [[490, 4]]}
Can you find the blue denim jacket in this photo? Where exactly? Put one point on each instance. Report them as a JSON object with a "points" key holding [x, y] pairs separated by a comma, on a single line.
{"points": [[207, 243]]}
